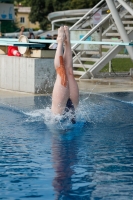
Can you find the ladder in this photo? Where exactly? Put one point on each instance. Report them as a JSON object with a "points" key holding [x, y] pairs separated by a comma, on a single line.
{"points": [[87, 63]]}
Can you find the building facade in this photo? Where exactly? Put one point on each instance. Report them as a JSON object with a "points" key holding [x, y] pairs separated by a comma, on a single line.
{"points": [[22, 18]]}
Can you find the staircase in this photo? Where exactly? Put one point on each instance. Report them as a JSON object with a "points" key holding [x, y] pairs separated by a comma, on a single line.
{"points": [[87, 63]]}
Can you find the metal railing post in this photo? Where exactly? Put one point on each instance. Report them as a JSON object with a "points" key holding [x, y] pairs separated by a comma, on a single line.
{"points": [[120, 25]]}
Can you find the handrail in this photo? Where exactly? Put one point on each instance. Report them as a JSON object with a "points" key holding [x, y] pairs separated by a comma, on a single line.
{"points": [[91, 15], [93, 29], [86, 14], [126, 6]]}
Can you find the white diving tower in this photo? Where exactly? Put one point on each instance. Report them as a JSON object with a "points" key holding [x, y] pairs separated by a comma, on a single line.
{"points": [[116, 26]]}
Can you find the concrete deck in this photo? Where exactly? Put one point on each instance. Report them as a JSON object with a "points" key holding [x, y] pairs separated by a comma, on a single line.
{"points": [[102, 85]]}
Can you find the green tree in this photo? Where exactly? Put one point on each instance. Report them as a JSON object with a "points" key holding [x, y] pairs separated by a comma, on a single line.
{"points": [[39, 11], [41, 8], [8, 26], [73, 4], [6, 1], [60, 5], [80, 4], [22, 2], [25, 3]]}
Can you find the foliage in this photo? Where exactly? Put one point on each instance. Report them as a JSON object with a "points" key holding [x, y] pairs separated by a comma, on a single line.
{"points": [[8, 26], [6, 1], [60, 5], [39, 11], [41, 8], [82, 4], [22, 2]]}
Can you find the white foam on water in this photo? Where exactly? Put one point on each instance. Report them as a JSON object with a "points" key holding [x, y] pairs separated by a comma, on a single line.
{"points": [[52, 121], [35, 115]]}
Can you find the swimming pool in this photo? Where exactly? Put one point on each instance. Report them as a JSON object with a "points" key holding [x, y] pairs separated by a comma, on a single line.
{"points": [[91, 160]]}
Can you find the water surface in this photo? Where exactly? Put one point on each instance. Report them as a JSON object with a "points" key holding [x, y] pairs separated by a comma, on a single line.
{"points": [[93, 159]]}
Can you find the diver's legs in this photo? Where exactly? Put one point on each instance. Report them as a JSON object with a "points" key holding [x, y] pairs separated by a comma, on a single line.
{"points": [[61, 90], [73, 87]]}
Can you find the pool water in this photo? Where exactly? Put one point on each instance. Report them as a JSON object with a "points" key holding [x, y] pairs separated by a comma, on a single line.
{"points": [[54, 160]]}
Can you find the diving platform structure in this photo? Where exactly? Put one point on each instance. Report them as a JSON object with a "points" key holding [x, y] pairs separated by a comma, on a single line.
{"points": [[116, 25], [30, 73]]}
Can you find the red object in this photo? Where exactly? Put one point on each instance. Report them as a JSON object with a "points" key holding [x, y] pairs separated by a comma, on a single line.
{"points": [[13, 51]]}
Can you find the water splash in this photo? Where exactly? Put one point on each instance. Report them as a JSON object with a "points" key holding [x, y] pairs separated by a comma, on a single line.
{"points": [[60, 122], [93, 109]]}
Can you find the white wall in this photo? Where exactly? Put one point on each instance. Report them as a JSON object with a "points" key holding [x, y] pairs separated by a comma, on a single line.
{"points": [[32, 75]]}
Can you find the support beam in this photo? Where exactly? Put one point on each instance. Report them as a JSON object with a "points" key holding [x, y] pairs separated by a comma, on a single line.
{"points": [[126, 6], [120, 25]]}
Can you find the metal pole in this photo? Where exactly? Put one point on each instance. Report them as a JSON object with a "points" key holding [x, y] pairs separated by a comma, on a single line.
{"points": [[52, 26], [110, 68], [86, 14], [94, 29], [0, 29], [126, 6], [100, 48], [120, 25]]}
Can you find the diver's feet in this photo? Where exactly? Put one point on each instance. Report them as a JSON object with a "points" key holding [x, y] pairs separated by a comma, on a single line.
{"points": [[61, 35], [67, 34], [61, 38]]}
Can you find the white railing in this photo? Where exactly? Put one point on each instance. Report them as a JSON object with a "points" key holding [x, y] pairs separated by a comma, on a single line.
{"points": [[87, 14], [94, 29]]}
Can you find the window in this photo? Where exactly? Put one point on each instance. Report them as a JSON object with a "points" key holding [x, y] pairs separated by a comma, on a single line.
{"points": [[22, 19]]}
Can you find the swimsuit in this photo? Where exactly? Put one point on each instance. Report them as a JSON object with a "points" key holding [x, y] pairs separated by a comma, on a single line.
{"points": [[70, 108]]}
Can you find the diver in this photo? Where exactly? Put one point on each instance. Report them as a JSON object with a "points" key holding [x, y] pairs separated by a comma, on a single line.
{"points": [[65, 95]]}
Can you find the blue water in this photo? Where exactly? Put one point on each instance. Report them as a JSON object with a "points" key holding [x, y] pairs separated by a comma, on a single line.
{"points": [[44, 159]]}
